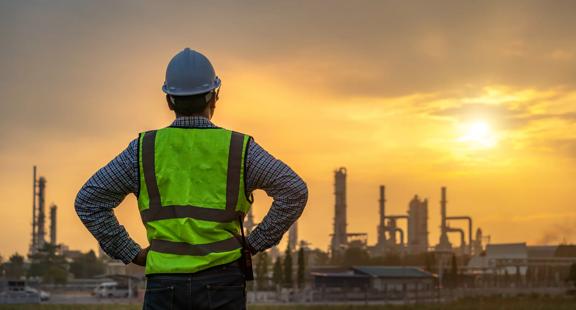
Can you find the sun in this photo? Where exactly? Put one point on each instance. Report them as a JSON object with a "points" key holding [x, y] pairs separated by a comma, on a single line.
{"points": [[478, 135]]}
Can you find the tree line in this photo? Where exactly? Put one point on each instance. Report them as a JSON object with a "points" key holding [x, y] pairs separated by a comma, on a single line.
{"points": [[51, 267]]}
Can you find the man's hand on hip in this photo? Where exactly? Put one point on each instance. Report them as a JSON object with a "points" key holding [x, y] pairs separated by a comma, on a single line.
{"points": [[140, 258]]}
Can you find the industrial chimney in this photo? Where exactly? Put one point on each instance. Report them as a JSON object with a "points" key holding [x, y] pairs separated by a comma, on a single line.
{"points": [[444, 243], [53, 209], [382, 212], [293, 236], [339, 238]]}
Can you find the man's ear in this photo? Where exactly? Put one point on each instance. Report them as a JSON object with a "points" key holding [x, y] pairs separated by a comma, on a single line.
{"points": [[213, 99], [213, 103], [170, 103]]}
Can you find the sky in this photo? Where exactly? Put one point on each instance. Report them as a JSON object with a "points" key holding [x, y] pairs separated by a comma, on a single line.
{"points": [[478, 96]]}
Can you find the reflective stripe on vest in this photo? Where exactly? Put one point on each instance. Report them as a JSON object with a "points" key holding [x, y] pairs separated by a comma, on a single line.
{"points": [[156, 211]]}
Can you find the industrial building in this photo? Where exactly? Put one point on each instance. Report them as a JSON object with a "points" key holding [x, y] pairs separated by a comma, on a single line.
{"points": [[341, 238], [404, 234], [374, 283], [417, 226], [391, 237], [518, 264]]}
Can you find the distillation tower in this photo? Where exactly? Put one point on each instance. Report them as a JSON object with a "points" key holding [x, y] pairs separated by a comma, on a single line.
{"points": [[39, 215], [418, 226], [382, 238], [339, 237], [53, 222], [444, 243]]}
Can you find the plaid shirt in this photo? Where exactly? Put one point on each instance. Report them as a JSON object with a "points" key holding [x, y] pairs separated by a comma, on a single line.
{"points": [[106, 189]]}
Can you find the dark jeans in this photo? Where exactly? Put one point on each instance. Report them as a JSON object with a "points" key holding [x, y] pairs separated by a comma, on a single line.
{"points": [[221, 287]]}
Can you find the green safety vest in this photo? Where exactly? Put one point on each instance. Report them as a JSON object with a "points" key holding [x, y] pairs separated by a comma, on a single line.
{"points": [[192, 197]]}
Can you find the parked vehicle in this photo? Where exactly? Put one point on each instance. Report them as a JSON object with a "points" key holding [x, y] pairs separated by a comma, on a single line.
{"points": [[44, 296], [16, 293], [110, 290]]}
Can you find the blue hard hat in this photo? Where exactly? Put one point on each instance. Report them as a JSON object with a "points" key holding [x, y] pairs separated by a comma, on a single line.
{"points": [[189, 73]]}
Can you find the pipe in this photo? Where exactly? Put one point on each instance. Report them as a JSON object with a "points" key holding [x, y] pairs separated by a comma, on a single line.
{"points": [[458, 230], [396, 217], [398, 229], [392, 227], [469, 219]]}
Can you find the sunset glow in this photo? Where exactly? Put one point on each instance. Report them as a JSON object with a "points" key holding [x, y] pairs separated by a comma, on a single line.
{"points": [[461, 96], [478, 134]]}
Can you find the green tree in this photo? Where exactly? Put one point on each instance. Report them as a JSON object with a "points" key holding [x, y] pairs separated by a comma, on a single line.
{"points": [[301, 272], [319, 257], [48, 265], [277, 277], [288, 282], [356, 256], [1, 266], [262, 270], [87, 266], [14, 268]]}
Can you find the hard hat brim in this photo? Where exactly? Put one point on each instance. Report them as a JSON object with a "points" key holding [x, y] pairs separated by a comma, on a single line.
{"points": [[191, 91]]}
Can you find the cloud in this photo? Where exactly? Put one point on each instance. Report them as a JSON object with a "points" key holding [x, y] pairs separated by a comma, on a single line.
{"points": [[85, 68], [562, 146], [506, 117]]}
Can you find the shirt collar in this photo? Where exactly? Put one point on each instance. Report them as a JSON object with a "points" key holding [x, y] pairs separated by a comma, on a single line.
{"points": [[192, 122]]}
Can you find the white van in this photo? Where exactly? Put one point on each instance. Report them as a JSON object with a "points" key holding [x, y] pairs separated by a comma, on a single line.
{"points": [[110, 289]]}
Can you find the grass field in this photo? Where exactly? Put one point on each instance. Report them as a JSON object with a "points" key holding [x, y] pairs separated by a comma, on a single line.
{"points": [[528, 303]]}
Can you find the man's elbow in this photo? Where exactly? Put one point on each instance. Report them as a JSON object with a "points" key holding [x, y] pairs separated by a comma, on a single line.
{"points": [[302, 194], [79, 203]]}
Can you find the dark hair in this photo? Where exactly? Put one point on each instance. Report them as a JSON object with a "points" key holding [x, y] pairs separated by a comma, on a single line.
{"points": [[189, 105]]}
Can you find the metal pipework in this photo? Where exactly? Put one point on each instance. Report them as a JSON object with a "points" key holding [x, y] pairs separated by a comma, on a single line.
{"points": [[397, 229], [391, 227], [469, 219], [396, 217], [458, 230]]}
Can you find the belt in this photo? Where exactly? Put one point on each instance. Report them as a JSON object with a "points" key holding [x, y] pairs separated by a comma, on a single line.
{"points": [[207, 271]]}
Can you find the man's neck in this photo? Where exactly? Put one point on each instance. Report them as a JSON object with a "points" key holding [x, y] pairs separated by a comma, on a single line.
{"points": [[192, 121], [193, 115]]}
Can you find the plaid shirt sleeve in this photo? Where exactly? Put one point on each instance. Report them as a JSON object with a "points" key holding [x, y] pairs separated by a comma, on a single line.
{"points": [[103, 192], [280, 182]]}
